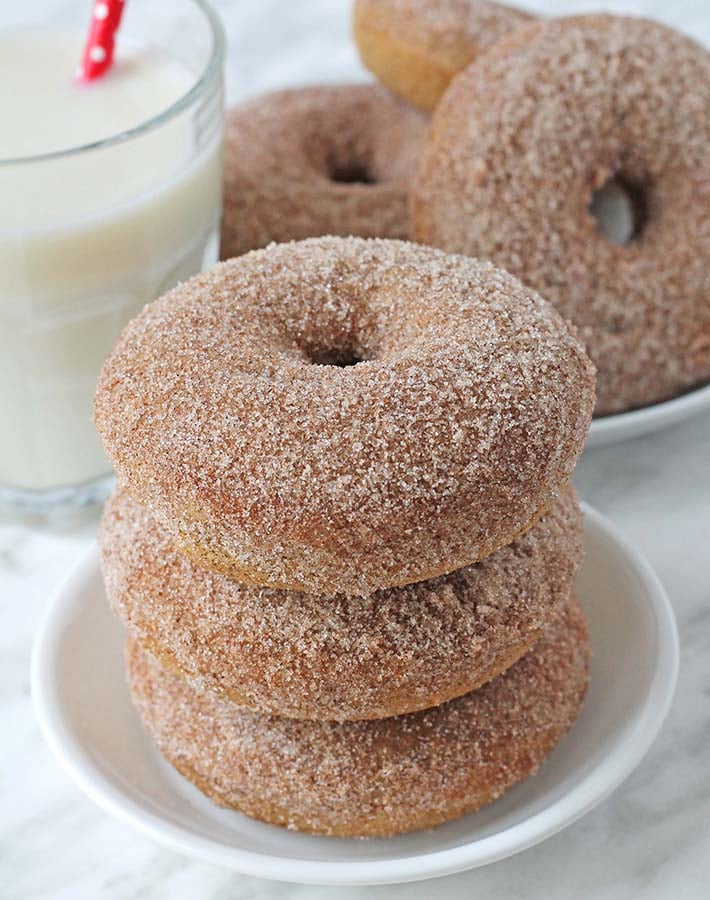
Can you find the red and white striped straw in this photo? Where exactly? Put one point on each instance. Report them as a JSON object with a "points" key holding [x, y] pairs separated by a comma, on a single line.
{"points": [[101, 40]]}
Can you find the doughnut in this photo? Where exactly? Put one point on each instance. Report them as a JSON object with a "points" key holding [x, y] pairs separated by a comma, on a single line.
{"points": [[373, 778], [304, 656], [318, 160], [340, 415], [516, 151], [415, 47]]}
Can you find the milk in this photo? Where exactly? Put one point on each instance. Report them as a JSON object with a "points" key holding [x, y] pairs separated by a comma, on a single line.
{"points": [[88, 237]]}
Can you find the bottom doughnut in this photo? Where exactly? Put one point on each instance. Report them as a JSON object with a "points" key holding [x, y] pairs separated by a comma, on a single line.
{"points": [[374, 778]]}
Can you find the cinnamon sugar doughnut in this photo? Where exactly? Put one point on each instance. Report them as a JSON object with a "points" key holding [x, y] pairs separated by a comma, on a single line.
{"points": [[318, 160], [517, 148], [305, 656], [415, 47], [341, 415], [371, 778]]}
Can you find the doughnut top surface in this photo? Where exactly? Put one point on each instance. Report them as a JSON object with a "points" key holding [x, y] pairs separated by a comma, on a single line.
{"points": [[341, 415], [520, 143], [445, 25], [332, 159]]}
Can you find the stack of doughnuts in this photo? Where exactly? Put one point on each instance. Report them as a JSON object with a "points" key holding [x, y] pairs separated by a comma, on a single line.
{"points": [[344, 541]]}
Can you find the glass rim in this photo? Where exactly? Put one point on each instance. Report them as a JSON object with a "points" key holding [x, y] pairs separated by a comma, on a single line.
{"points": [[214, 65]]}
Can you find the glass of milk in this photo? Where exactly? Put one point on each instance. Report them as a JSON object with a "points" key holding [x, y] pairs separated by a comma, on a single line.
{"points": [[110, 194]]}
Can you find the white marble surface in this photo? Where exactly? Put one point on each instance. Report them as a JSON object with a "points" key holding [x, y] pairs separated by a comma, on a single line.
{"points": [[651, 840]]}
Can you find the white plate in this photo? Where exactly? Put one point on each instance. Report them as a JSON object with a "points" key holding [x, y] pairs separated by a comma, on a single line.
{"points": [[639, 422], [85, 712]]}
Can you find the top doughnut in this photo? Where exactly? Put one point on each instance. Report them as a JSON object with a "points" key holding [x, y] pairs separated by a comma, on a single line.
{"points": [[415, 47], [515, 152], [341, 415]]}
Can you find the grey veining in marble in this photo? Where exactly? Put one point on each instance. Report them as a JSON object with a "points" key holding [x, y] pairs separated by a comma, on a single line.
{"points": [[650, 840]]}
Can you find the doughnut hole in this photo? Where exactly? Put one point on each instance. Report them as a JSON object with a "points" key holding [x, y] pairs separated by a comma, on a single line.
{"points": [[620, 209], [342, 359], [355, 173], [333, 340]]}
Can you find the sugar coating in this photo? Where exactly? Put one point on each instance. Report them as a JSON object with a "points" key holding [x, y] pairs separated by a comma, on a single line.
{"points": [[518, 146], [284, 150], [416, 47], [371, 778], [344, 658], [225, 413], [445, 25]]}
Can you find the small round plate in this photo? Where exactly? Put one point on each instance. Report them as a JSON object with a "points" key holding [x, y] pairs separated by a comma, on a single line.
{"points": [[85, 712], [639, 422]]}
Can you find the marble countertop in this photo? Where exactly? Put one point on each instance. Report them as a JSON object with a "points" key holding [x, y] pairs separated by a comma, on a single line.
{"points": [[650, 840]]}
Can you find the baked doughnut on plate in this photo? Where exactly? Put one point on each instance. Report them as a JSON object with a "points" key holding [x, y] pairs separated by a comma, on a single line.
{"points": [[306, 656], [517, 149], [341, 415], [415, 47], [336, 159], [383, 777]]}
